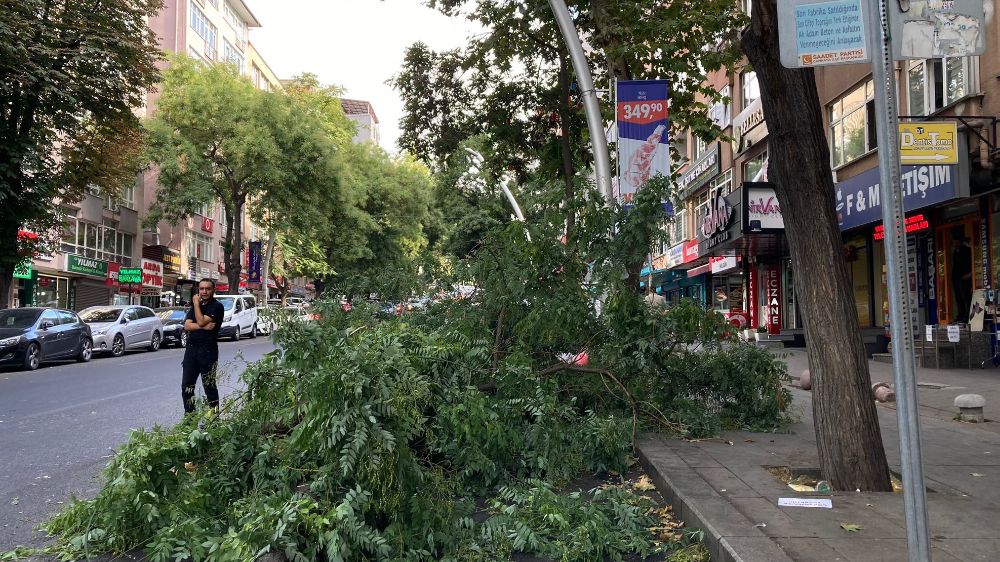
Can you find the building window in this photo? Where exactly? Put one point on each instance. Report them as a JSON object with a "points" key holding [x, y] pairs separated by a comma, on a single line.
{"points": [[754, 168], [199, 246], [723, 183], [678, 227], [936, 83], [205, 30], [237, 23], [852, 125], [751, 89], [232, 55], [698, 147], [206, 209], [102, 242]]}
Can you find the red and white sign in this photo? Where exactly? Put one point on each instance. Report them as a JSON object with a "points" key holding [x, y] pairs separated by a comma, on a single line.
{"points": [[112, 280], [207, 224], [152, 274], [723, 264], [690, 251], [754, 297], [772, 292]]}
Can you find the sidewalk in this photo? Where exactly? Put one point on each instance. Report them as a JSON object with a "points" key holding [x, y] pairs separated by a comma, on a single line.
{"points": [[723, 487]]}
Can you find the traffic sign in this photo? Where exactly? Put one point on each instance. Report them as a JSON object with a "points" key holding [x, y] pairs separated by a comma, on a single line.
{"points": [[928, 142]]}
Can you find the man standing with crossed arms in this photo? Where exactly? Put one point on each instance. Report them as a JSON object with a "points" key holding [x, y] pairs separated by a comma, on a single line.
{"points": [[203, 322]]}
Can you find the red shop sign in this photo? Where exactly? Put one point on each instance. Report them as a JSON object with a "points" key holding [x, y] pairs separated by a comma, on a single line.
{"points": [[207, 225], [690, 251]]}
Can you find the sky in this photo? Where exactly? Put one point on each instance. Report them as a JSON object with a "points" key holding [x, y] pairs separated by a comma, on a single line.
{"points": [[355, 44]]}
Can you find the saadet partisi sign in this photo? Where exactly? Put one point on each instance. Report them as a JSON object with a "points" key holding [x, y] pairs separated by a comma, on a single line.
{"points": [[859, 201]]}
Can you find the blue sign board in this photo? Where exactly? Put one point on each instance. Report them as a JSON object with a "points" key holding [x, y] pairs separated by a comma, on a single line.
{"points": [[253, 276], [859, 201]]}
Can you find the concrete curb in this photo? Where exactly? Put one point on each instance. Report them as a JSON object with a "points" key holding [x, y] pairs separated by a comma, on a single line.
{"points": [[729, 536]]}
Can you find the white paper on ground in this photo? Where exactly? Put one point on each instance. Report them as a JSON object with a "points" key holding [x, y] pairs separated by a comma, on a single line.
{"points": [[805, 502]]}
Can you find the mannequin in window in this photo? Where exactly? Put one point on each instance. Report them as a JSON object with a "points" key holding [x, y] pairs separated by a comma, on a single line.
{"points": [[961, 277]]}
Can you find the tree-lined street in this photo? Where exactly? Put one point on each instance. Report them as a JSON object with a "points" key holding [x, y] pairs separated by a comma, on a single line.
{"points": [[59, 425]]}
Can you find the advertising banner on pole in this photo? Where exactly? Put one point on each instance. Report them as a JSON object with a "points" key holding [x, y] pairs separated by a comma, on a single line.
{"points": [[643, 134], [253, 269]]}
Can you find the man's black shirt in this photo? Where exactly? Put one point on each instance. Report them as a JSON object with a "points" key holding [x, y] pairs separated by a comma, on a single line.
{"points": [[202, 337]]}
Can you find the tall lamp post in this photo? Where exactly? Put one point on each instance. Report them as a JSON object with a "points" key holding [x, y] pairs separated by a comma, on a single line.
{"points": [[598, 142], [478, 163]]}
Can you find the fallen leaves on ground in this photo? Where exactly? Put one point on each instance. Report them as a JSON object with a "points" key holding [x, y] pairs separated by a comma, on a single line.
{"points": [[644, 484], [851, 527]]}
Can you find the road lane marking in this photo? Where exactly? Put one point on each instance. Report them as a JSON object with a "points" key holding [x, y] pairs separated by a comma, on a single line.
{"points": [[91, 402]]}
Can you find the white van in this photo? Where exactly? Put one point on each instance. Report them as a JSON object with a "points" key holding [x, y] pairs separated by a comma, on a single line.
{"points": [[241, 316]]}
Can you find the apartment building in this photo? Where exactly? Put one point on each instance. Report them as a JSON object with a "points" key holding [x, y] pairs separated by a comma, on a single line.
{"points": [[730, 250], [211, 31], [100, 235], [363, 114]]}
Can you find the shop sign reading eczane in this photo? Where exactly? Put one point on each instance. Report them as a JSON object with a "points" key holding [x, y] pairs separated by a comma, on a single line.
{"points": [[859, 201]]}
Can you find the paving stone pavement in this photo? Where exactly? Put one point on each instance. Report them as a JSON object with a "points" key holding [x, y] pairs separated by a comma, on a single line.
{"points": [[722, 485]]}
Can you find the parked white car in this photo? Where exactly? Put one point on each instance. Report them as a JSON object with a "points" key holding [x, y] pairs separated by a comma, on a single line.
{"points": [[240, 318], [117, 328]]}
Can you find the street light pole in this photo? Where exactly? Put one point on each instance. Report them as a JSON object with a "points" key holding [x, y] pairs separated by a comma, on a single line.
{"points": [[503, 185], [598, 141]]}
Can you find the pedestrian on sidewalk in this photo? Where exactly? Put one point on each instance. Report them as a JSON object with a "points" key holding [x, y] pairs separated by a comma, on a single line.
{"points": [[201, 357]]}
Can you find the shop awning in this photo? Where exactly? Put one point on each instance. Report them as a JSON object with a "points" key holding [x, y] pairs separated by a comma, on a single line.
{"points": [[26, 235], [700, 270]]}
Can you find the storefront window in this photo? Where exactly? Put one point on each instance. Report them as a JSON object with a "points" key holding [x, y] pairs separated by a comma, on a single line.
{"points": [[52, 291], [856, 256]]}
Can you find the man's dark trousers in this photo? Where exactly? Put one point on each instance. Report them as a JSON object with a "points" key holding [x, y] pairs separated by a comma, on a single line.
{"points": [[200, 359]]}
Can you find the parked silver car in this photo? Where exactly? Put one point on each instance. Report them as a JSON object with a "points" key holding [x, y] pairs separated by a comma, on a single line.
{"points": [[121, 327]]}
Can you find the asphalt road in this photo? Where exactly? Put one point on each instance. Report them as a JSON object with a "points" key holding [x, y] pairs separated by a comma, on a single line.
{"points": [[59, 424]]}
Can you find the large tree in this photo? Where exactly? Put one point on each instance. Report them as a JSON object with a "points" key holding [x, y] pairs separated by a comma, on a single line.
{"points": [[71, 73], [216, 137], [851, 454], [390, 218]]}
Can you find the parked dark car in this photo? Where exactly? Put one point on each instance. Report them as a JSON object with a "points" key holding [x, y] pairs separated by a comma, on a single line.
{"points": [[173, 325], [29, 336]]}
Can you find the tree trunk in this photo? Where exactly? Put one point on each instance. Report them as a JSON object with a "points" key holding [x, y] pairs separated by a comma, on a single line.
{"points": [[234, 244], [565, 146], [851, 454], [272, 238], [8, 259]]}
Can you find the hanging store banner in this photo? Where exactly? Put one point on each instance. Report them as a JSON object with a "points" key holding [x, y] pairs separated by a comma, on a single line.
{"points": [[643, 139], [254, 262], [859, 201]]}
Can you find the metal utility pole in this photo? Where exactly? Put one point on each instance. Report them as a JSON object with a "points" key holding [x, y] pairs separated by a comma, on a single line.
{"points": [[598, 141], [903, 365], [503, 185]]}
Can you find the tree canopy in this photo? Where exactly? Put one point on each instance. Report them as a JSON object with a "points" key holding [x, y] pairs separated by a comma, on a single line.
{"points": [[71, 74], [216, 137]]}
